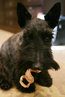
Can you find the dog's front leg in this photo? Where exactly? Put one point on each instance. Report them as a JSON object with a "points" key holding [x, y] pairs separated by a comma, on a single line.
{"points": [[44, 79], [16, 76]]}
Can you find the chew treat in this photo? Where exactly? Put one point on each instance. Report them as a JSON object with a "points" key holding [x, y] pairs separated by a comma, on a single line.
{"points": [[21, 82], [28, 76]]}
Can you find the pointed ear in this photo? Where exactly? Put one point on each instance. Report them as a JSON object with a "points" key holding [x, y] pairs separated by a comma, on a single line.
{"points": [[52, 16], [23, 15]]}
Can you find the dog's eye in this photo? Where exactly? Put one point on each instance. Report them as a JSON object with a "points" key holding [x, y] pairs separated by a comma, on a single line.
{"points": [[47, 39], [28, 39], [31, 36]]}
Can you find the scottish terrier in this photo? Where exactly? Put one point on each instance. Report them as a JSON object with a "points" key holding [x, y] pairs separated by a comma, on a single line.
{"points": [[30, 48]]}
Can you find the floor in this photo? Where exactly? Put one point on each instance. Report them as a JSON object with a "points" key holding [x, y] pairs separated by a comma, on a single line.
{"points": [[58, 87]]}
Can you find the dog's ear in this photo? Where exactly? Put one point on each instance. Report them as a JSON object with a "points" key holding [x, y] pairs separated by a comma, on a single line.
{"points": [[22, 14], [52, 16]]}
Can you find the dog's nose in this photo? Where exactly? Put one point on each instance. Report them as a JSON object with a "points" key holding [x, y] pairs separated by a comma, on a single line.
{"points": [[37, 66]]}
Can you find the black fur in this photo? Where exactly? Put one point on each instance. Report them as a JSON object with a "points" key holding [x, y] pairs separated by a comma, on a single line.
{"points": [[29, 49]]}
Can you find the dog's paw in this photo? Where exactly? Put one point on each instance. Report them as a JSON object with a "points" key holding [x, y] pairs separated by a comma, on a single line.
{"points": [[30, 89], [5, 85]]}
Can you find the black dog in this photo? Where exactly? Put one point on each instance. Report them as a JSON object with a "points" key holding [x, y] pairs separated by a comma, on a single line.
{"points": [[29, 49]]}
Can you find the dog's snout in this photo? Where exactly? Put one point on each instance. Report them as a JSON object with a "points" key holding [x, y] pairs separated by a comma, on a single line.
{"points": [[37, 66]]}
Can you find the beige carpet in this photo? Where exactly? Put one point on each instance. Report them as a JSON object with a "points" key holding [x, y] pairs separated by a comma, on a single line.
{"points": [[58, 87]]}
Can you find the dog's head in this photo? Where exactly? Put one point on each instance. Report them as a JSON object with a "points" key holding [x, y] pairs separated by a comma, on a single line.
{"points": [[37, 37]]}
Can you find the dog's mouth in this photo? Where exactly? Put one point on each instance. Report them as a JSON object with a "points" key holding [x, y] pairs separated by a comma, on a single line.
{"points": [[33, 66], [36, 70], [29, 77]]}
